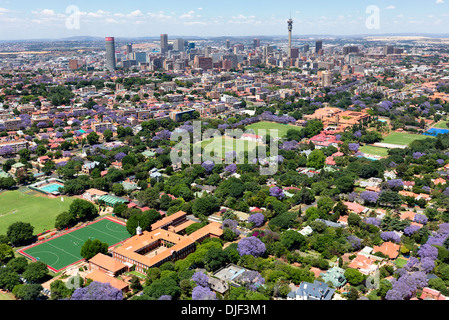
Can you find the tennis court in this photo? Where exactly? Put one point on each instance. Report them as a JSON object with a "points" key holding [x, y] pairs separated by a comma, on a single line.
{"points": [[64, 250]]}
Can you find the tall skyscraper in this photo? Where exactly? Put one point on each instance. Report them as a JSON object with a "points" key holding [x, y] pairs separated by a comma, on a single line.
{"points": [[164, 43], [256, 43], [110, 54], [129, 48], [178, 45], [290, 29], [228, 44], [318, 46]]}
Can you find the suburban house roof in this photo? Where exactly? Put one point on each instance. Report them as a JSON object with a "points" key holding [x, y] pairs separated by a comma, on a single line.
{"points": [[389, 249]]}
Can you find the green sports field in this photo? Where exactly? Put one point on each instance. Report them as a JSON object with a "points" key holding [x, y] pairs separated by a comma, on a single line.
{"points": [[282, 128], [226, 144], [383, 152], [63, 251], [40, 211], [403, 138]]}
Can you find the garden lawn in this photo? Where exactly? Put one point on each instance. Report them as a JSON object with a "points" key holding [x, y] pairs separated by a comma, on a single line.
{"points": [[400, 262], [282, 128], [383, 152], [440, 125], [403, 138], [40, 211]]}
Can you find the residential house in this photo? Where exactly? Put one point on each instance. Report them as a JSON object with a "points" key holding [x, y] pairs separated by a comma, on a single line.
{"points": [[389, 249], [334, 275], [356, 208], [371, 182], [432, 294], [365, 264], [89, 167], [312, 291]]}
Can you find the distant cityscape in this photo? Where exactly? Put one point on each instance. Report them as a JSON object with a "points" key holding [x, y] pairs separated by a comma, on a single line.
{"points": [[95, 206]]}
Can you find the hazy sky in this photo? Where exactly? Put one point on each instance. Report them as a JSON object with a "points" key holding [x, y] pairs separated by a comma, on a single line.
{"points": [[27, 19]]}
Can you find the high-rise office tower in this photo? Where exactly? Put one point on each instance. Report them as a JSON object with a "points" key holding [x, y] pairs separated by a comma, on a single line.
{"points": [[129, 48], [164, 43], [228, 44], [256, 43], [306, 48], [388, 49], [178, 45], [207, 51], [290, 29], [110, 54], [318, 46]]}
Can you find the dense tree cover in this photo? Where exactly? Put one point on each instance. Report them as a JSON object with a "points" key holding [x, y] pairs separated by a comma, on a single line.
{"points": [[91, 248]]}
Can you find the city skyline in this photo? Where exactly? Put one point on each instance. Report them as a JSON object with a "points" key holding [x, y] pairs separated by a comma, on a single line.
{"points": [[46, 19]]}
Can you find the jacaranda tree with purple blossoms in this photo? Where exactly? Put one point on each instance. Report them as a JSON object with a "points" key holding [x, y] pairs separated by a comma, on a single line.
{"points": [[257, 219], [251, 246], [97, 291]]}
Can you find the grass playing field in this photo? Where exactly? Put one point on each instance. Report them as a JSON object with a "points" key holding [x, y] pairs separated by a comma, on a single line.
{"points": [[383, 152], [226, 144], [403, 138], [62, 251], [38, 210], [282, 128]]}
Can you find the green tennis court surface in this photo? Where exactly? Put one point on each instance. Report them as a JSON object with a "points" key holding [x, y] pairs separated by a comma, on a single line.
{"points": [[62, 251]]}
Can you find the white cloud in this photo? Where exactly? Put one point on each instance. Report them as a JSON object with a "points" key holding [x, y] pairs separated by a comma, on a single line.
{"points": [[188, 15], [110, 20], [136, 13], [439, 1], [390, 7]]}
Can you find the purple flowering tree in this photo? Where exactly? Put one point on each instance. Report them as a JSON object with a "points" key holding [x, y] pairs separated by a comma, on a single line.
{"points": [[251, 246], [356, 243], [406, 285], [97, 291], [408, 231], [203, 293], [373, 221], [251, 280], [277, 193], [208, 165], [418, 155], [354, 147], [6, 150], [165, 297], [370, 196], [119, 156], [232, 168], [256, 219], [395, 183], [390, 236], [201, 279], [420, 218]]}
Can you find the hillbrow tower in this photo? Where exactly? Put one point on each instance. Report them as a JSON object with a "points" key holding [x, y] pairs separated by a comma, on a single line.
{"points": [[290, 29], [110, 54]]}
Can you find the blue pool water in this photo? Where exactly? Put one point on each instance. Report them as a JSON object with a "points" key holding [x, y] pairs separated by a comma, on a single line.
{"points": [[51, 187], [435, 131]]}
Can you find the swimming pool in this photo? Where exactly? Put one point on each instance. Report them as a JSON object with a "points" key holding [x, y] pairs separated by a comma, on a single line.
{"points": [[435, 131], [54, 187]]}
